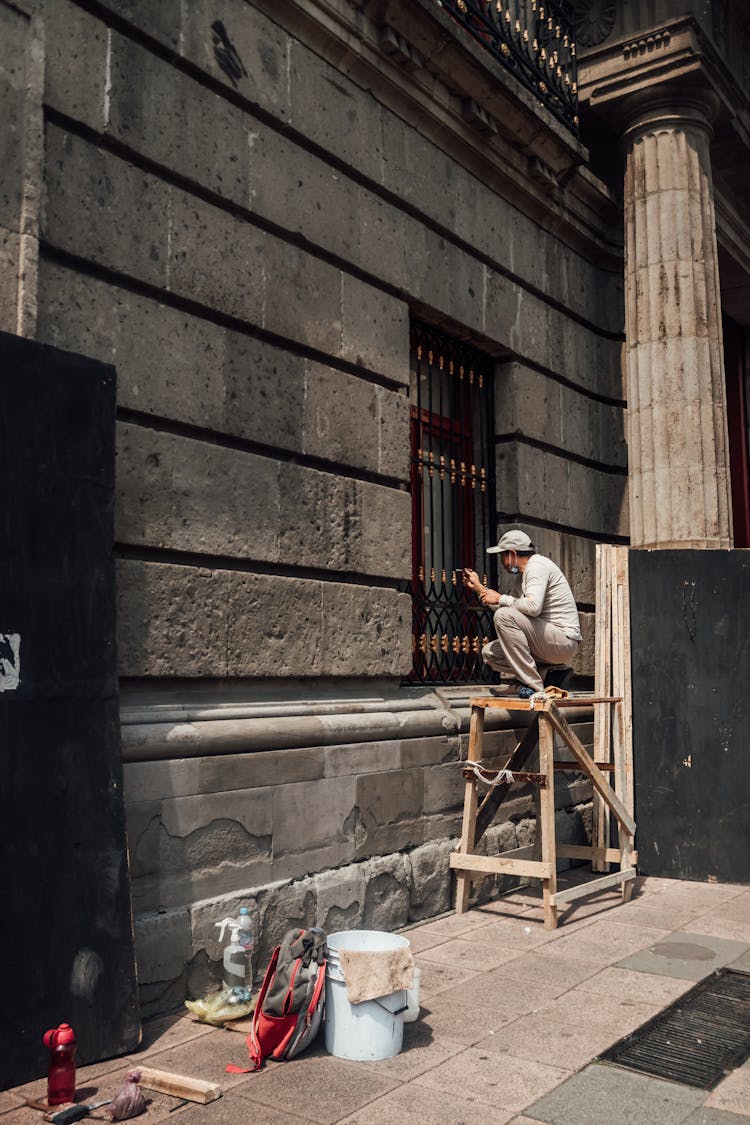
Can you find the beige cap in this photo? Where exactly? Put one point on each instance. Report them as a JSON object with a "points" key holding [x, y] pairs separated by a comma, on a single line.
{"points": [[512, 541]]}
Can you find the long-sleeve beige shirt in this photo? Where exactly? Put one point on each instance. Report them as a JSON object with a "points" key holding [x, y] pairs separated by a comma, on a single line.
{"points": [[543, 591]]}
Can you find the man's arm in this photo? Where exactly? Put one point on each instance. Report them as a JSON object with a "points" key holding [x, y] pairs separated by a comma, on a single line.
{"points": [[531, 601]]}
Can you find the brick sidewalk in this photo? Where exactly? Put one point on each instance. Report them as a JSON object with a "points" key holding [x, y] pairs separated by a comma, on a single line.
{"points": [[512, 1016]]}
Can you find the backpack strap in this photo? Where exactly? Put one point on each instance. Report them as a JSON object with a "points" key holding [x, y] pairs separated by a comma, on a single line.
{"points": [[253, 1043]]}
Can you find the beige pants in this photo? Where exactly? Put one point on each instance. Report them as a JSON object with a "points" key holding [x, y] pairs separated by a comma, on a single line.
{"points": [[521, 642]]}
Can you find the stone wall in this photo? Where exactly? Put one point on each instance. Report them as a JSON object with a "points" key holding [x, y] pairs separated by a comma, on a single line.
{"points": [[242, 205]]}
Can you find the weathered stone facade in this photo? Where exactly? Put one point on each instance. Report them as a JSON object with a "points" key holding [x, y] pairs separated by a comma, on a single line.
{"points": [[242, 205]]}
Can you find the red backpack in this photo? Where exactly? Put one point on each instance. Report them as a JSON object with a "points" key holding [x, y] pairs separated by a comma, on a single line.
{"points": [[291, 1004]]}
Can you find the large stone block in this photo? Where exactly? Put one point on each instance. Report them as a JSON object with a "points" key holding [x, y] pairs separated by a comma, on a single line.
{"points": [[250, 809], [443, 789], [365, 631], [431, 880], [313, 814], [171, 620], [340, 898], [529, 403], [375, 332], [191, 495], [390, 808], [144, 838], [341, 418], [163, 945], [169, 117], [387, 897], [161, 20], [216, 258], [385, 238], [283, 907], [14, 40], [274, 626], [154, 781], [429, 751], [226, 772], [76, 312], [360, 758], [76, 59], [302, 193], [240, 47], [9, 269], [394, 426], [99, 207], [328, 108], [319, 519], [385, 530], [303, 297]]}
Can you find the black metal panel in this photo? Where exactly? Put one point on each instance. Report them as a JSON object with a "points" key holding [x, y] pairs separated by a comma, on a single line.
{"points": [[690, 629], [698, 1039], [67, 922]]}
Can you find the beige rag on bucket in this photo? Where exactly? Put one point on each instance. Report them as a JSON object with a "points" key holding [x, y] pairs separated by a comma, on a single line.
{"points": [[369, 974]]}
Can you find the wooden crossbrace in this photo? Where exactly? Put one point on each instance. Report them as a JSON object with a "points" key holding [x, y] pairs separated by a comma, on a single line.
{"points": [[548, 720]]}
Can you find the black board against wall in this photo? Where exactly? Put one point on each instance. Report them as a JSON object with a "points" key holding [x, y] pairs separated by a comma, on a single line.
{"points": [[690, 640], [66, 926]]}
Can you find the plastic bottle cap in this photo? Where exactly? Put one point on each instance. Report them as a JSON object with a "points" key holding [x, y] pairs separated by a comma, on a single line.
{"points": [[244, 910]]}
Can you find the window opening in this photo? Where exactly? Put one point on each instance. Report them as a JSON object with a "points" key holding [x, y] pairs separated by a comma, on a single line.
{"points": [[452, 490]]}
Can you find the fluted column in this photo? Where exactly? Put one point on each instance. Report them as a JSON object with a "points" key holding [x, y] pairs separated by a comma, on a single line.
{"points": [[677, 426]]}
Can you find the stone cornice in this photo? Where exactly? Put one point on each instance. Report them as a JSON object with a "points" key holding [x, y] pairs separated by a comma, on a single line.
{"points": [[674, 58], [422, 65]]}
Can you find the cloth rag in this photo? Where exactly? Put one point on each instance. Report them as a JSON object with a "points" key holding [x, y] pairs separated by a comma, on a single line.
{"points": [[371, 973]]}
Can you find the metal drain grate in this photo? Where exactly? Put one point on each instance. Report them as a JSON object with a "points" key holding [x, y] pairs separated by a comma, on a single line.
{"points": [[696, 1040]]}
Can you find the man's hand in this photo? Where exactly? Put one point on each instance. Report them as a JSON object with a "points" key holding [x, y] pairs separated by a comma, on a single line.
{"points": [[470, 579]]}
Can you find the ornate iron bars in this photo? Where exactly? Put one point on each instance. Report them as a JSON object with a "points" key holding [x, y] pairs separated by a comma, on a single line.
{"points": [[532, 38], [452, 490]]}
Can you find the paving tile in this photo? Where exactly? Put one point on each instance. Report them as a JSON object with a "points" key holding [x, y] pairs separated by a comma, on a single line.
{"points": [[473, 955], [414, 1104], [556, 1042], [742, 963], [644, 988], [556, 971], [719, 924], [688, 955], [422, 939], [459, 1023], [167, 1032], [706, 1116], [437, 977], [421, 1050], [605, 1093], [206, 1058], [454, 925], [733, 1092], [327, 1087], [507, 1082], [615, 1013], [505, 907], [738, 907], [512, 933], [9, 1101], [233, 1109], [500, 989], [704, 896], [609, 941], [649, 912]]}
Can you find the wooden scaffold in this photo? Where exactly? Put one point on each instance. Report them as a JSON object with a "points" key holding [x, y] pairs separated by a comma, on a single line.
{"points": [[610, 769]]}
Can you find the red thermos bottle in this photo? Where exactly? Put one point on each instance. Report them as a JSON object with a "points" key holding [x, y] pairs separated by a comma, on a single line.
{"points": [[61, 1077]]}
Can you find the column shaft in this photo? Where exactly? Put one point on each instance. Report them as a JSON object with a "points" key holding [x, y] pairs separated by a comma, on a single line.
{"points": [[677, 426]]}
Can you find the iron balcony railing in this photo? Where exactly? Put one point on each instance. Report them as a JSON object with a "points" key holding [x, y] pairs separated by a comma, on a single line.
{"points": [[532, 38]]}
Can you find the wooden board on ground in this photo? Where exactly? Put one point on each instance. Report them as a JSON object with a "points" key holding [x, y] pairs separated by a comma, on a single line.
{"points": [[179, 1085]]}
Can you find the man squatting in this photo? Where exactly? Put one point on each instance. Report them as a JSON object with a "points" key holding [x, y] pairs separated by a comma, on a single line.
{"points": [[538, 621]]}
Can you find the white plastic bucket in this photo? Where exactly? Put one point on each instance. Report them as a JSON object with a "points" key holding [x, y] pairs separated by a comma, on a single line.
{"points": [[412, 997], [373, 1029]]}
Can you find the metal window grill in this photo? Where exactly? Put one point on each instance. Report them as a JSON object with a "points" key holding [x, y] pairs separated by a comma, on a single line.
{"points": [[452, 490], [532, 38]]}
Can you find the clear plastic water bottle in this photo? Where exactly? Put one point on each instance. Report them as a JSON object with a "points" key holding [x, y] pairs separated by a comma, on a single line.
{"points": [[61, 1076], [245, 938]]}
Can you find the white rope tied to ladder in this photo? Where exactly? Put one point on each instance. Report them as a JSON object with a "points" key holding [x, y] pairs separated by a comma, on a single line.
{"points": [[502, 777]]}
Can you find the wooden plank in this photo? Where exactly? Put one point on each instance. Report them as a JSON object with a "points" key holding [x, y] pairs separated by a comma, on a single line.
{"points": [[572, 893], [627, 684], [498, 865], [582, 851], [178, 1085], [579, 699], [546, 820], [591, 769], [468, 833], [497, 795], [603, 684], [605, 767]]}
